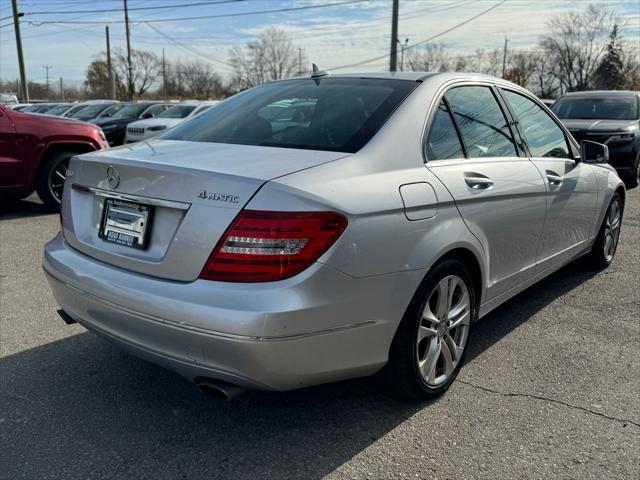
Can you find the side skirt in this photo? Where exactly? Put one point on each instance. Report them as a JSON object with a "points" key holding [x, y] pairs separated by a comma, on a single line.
{"points": [[495, 302]]}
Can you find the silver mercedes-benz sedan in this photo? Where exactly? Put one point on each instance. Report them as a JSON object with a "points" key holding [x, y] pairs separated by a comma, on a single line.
{"points": [[328, 227]]}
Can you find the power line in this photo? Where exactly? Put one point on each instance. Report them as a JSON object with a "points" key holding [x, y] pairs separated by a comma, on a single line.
{"points": [[157, 7], [201, 17], [433, 37], [185, 47]]}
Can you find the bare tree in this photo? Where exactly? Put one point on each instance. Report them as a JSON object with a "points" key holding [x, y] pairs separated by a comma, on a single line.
{"points": [[576, 43], [272, 57], [146, 68], [201, 81], [522, 67], [545, 80], [434, 57]]}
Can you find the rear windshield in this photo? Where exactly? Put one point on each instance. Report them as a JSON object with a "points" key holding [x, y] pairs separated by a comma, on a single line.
{"points": [[597, 108], [337, 114]]}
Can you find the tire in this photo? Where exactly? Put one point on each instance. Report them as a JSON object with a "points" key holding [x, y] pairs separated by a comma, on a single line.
{"points": [[411, 371], [602, 252], [633, 179], [50, 179]]}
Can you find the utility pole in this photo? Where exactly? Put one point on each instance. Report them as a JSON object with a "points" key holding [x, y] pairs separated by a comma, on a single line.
{"points": [[47, 68], [393, 58], [129, 68], [111, 86], [504, 57], [164, 77], [61, 90], [403, 47], [299, 60], [24, 87]]}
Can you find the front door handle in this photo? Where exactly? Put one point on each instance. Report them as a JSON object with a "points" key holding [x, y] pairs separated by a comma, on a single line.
{"points": [[477, 181], [554, 178]]}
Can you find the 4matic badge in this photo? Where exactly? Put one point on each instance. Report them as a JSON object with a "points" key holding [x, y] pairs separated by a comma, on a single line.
{"points": [[219, 197]]}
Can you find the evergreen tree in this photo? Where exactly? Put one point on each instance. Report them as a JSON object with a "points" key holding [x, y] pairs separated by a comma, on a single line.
{"points": [[610, 73]]}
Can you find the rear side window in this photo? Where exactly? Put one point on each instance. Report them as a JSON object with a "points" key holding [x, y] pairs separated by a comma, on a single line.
{"points": [[443, 141], [542, 135], [484, 128], [337, 114]]}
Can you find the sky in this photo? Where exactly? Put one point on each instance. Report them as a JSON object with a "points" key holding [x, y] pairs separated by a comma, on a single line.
{"points": [[333, 33]]}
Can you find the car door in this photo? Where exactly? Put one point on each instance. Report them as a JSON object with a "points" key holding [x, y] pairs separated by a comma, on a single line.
{"points": [[498, 191], [571, 185], [11, 168]]}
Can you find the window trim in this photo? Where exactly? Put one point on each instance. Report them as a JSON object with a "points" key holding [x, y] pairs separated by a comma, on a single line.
{"points": [[463, 147], [433, 108], [567, 137]]}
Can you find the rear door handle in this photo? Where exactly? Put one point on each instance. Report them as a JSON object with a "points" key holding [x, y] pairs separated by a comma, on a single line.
{"points": [[554, 178], [477, 181]]}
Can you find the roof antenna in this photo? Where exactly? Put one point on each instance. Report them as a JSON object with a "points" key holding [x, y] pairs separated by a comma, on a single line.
{"points": [[316, 73]]}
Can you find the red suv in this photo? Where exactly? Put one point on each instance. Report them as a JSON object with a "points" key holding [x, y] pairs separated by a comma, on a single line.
{"points": [[35, 151]]}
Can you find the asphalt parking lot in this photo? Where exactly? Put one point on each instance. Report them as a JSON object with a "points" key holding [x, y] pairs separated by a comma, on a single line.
{"points": [[551, 389]]}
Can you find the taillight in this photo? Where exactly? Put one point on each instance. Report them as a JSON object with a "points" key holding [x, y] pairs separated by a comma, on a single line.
{"points": [[262, 246]]}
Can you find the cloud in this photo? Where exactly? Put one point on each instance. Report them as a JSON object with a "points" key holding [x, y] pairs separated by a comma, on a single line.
{"points": [[330, 36]]}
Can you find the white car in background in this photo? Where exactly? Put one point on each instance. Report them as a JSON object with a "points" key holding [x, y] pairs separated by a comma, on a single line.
{"points": [[152, 127]]}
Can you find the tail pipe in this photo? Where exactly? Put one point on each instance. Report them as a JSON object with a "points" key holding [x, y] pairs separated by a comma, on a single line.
{"points": [[218, 388]]}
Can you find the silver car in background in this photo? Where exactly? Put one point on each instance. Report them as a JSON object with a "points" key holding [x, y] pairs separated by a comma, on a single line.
{"points": [[317, 229]]}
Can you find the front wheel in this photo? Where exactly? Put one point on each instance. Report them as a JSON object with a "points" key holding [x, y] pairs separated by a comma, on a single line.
{"points": [[430, 345], [50, 179], [606, 244]]}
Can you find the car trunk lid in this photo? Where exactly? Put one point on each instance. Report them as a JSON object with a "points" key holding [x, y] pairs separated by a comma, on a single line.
{"points": [[181, 196]]}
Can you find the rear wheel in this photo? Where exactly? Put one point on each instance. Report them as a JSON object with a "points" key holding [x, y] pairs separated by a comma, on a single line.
{"points": [[50, 180], [633, 179], [430, 345], [606, 244]]}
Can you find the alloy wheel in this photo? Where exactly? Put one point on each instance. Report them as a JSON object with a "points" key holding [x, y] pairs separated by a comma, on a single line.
{"points": [[612, 230], [56, 180], [443, 331]]}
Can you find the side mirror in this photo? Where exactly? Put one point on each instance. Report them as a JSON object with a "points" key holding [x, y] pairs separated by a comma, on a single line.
{"points": [[592, 152]]}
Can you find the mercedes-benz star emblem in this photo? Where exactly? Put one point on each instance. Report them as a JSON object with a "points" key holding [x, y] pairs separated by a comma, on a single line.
{"points": [[113, 177]]}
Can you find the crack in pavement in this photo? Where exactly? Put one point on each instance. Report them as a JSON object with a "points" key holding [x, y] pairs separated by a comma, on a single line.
{"points": [[624, 421]]}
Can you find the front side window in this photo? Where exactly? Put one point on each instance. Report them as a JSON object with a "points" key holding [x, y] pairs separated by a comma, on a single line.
{"points": [[443, 141], [484, 128], [336, 114], [542, 135]]}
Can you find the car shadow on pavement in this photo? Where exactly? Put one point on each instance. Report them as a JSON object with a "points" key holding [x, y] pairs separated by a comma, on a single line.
{"points": [[81, 408], [29, 207], [509, 316]]}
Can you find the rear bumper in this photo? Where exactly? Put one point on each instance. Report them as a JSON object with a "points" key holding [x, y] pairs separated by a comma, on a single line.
{"points": [[317, 327]]}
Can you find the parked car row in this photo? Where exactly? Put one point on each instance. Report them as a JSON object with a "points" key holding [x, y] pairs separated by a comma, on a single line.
{"points": [[35, 149], [114, 117]]}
